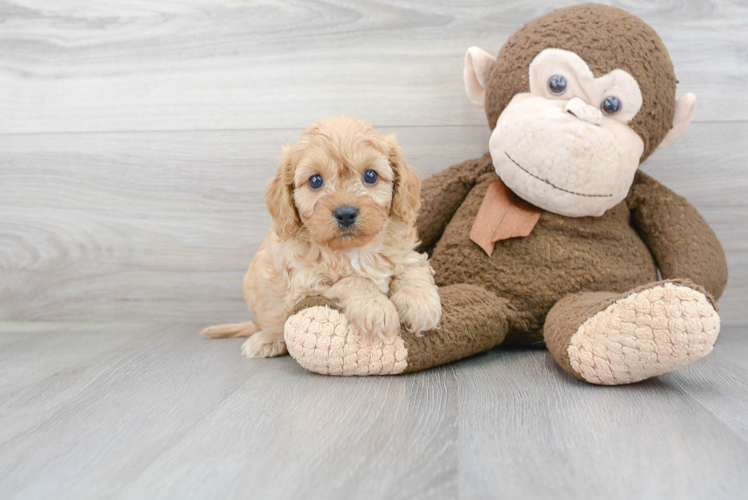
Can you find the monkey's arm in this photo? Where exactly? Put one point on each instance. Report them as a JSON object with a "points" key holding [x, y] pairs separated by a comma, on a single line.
{"points": [[443, 193], [681, 241]]}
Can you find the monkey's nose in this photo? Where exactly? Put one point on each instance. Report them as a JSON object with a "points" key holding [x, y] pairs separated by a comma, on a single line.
{"points": [[345, 215], [584, 111]]}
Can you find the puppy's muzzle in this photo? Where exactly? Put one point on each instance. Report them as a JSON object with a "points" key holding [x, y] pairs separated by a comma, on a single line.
{"points": [[346, 216]]}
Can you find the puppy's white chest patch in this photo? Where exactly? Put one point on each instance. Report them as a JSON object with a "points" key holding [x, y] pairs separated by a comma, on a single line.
{"points": [[354, 255], [368, 265]]}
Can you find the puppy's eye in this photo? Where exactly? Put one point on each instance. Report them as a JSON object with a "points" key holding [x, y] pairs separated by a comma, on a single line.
{"points": [[611, 105], [315, 181], [370, 177], [557, 84]]}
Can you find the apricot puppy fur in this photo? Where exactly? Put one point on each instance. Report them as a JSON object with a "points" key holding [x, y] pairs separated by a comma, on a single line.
{"points": [[344, 204]]}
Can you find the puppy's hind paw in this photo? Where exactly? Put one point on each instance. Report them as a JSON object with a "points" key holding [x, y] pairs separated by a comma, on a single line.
{"points": [[264, 345]]}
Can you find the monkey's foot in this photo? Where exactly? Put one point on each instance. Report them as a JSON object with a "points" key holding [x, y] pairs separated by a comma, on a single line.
{"points": [[620, 339], [321, 340]]}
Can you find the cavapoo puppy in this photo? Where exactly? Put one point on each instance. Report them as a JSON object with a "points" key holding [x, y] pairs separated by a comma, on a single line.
{"points": [[344, 204]]}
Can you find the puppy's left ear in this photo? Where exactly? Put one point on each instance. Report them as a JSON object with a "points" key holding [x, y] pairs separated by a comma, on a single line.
{"points": [[407, 198]]}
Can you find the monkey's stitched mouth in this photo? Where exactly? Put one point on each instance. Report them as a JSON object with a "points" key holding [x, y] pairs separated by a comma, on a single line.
{"points": [[553, 185]]}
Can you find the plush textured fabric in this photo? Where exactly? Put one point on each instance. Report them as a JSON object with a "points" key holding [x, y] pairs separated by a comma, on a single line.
{"points": [[607, 38], [315, 301], [681, 241], [548, 154], [566, 255], [502, 215], [321, 340], [619, 339], [473, 320], [564, 320], [562, 255], [442, 194], [478, 64]]}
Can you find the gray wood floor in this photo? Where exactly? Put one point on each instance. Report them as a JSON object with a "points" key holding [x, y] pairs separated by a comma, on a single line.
{"points": [[135, 142], [153, 411]]}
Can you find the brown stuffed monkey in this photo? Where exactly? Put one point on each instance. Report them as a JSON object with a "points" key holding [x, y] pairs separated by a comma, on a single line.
{"points": [[554, 237]]}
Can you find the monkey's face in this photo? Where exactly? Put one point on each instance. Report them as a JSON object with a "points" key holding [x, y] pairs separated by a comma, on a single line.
{"points": [[564, 140], [566, 146]]}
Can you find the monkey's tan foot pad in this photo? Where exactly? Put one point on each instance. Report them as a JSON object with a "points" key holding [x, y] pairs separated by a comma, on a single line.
{"points": [[321, 340], [649, 332]]}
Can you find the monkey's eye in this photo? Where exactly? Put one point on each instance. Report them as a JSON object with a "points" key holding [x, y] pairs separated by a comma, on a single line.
{"points": [[370, 177], [611, 105], [557, 84], [315, 181]]}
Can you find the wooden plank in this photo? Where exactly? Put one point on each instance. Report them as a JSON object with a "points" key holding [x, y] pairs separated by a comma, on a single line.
{"points": [[153, 411], [718, 381], [286, 434], [179, 416], [111, 412], [530, 431], [162, 226], [29, 356], [42, 365], [75, 66]]}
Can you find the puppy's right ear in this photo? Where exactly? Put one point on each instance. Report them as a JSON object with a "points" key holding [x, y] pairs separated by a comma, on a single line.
{"points": [[279, 198]]}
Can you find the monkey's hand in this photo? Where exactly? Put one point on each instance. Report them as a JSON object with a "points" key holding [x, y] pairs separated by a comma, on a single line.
{"points": [[443, 193], [686, 249]]}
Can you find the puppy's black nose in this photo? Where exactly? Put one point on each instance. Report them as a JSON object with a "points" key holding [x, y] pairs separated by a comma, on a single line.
{"points": [[346, 215]]}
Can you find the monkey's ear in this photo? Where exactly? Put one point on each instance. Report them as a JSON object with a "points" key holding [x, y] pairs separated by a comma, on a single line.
{"points": [[478, 65], [684, 108], [279, 198]]}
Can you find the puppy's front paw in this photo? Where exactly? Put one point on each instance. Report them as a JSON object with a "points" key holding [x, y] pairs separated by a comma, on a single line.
{"points": [[264, 345], [419, 308], [375, 315]]}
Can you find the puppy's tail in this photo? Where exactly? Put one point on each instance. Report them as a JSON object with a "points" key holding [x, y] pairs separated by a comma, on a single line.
{"points": [[231, 330]]}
